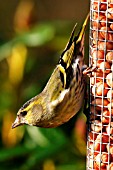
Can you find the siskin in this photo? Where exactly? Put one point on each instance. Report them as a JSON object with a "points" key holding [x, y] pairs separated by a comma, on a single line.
{"points": [[63, 96]]}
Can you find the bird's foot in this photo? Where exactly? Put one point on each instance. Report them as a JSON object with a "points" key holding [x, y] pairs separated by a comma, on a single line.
{"points": [[89, 70]]}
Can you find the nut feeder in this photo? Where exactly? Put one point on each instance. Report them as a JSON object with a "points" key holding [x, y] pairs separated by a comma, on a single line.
{"points": [[100, 121]]}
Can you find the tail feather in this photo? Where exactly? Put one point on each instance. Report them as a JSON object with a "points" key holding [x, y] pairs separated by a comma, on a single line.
{"points": [[67, 55], [82, 31], [71, 38]]}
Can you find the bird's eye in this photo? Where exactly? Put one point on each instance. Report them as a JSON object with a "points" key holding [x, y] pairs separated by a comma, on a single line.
{"points": [[23, 113]]}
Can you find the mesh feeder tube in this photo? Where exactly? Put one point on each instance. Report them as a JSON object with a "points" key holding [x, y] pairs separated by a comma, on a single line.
{"points": [[100, 121]]}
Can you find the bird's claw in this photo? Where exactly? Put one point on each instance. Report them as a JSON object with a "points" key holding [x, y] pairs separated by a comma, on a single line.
{"points": [[88, 71]]}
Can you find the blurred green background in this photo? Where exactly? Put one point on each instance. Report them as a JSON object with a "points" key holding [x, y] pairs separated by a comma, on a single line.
{"points": [[33, 34]]}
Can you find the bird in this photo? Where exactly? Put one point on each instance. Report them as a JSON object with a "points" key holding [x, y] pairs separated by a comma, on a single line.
{"points": [[63, 95]]}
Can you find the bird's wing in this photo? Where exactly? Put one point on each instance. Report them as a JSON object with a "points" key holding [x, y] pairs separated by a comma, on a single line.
{"points": [[68, 66], [74, 50]]}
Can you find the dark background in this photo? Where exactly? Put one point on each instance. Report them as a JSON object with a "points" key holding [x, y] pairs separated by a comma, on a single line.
{"points": [[33, 34]]}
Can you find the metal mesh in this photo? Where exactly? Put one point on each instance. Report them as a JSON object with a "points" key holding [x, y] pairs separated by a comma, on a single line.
{"points": [[100, 123]]}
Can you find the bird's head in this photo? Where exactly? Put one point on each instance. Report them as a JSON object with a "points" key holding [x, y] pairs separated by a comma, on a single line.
{"points": [[30, 113]]}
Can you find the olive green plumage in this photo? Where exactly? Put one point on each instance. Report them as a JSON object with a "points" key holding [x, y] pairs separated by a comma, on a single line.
{"points": [[63, 95]]}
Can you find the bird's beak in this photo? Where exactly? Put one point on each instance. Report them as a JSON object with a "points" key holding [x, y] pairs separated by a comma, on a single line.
{"points": [[16, 123]]}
